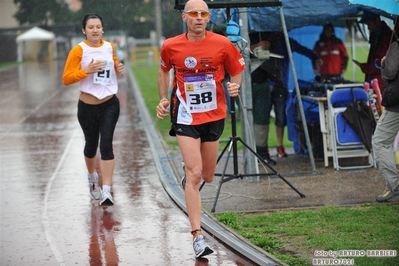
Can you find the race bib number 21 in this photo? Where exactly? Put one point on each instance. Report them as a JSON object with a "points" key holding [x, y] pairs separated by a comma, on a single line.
{"points": [[103, 77]]}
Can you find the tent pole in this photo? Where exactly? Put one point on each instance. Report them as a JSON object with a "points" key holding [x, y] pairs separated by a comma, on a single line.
{"points": [[298, 92], [247, 129], [20, 57], [353, 50]]}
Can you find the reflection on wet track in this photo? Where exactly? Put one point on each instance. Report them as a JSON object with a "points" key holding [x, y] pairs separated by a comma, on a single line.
{"points": [[47, 214]]}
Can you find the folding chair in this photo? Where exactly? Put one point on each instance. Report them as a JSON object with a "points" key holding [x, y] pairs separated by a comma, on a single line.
{"points": [[345, 142]]}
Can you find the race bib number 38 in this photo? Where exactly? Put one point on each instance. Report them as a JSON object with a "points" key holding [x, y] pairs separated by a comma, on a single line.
{"points": [[200, 93], [103, 77]]}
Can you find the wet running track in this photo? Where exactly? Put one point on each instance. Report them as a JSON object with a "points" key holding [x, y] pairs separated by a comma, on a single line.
{"points": [[47, 214]]}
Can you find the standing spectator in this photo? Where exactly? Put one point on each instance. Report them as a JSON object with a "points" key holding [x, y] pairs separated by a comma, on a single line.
{"points": [[197, 102], [388, 126], [93, 63], [261, 96], [380, 38], [276, 73], [279, 89], [332, 52]]}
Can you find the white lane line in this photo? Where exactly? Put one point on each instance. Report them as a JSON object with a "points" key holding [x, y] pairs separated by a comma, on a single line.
{"points": [[45, 218]]}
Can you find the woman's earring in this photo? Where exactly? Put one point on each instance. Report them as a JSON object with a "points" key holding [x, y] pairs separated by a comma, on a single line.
{"points": [[103, 31]]}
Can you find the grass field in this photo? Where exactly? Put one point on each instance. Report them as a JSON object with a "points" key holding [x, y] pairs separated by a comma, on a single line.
{"points": [[361, 53], [9, 64], [295, 236]]}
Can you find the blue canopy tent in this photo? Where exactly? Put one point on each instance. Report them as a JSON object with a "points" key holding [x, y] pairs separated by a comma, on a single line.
{"points": [[297, 14]]}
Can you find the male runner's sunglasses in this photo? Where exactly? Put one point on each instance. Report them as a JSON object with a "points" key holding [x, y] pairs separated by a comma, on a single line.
{"points": [[194, 14]]}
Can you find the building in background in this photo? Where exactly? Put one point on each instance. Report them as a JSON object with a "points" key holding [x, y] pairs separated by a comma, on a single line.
{"points": [[10, 30], [8, 8], [7, 11]]}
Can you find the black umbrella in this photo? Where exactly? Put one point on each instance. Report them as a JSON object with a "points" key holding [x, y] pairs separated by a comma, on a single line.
{"points": [[360, 117]]}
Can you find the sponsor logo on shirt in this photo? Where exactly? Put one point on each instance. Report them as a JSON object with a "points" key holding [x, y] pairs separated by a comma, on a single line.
{"points": [[190, 62]]}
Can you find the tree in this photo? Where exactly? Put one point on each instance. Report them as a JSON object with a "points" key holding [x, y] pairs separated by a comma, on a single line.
{"points": [[172, 21], [137, 17], [42, 12], [120, 14]]}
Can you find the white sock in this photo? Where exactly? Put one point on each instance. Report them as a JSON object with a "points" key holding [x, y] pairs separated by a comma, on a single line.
{"points": [[106, 188], [93, 177]]}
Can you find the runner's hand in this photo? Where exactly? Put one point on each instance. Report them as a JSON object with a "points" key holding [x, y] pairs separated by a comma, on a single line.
{"points": [[161, 109], [95, 67], [120, 68], [233, 89]]}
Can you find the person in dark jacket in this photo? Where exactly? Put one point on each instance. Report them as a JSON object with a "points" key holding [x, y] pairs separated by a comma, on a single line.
{"points": [[273, 77], [380, 39], [388, 126]]}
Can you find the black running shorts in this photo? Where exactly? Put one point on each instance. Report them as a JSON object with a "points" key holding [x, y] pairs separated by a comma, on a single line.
{"points": [[207, 132]]}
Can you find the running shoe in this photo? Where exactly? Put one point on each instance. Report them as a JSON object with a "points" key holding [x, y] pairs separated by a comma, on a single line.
{"points": [[281, 152], [200, 247], [106, 198], [94, 187]]}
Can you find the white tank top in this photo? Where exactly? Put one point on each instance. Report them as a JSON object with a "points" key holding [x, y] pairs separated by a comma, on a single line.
{"points": [[100, 84]]}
